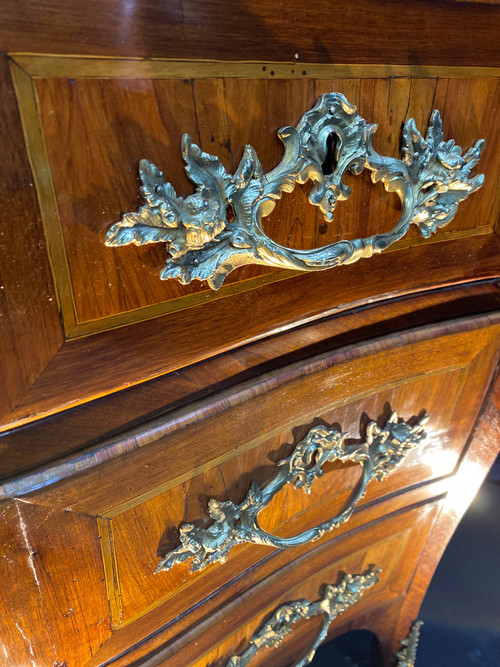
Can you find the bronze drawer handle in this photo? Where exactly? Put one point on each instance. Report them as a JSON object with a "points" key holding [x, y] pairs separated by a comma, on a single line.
{"points": [[335, 600], [218, 228], [382, 451]]}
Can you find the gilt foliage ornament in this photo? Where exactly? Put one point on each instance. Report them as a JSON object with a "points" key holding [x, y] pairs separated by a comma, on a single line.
{"points": [[381, 452], [205, 242], [407, 655], [334, 601]]}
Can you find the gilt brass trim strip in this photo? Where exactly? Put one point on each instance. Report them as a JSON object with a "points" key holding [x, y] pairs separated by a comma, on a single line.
{"points": [[42, 174], [110, 570], [180, 303], [95, 66], [381, 453], [440, 237], [334, 601]]}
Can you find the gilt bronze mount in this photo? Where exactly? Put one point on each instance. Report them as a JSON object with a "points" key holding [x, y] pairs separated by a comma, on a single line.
{"points": [[381, 452], [205, 242], [407, 655], [334, 601]]}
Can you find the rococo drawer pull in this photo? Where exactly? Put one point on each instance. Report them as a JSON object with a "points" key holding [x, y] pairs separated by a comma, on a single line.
{"points": [[218, 228], [335, 600], [382, 451]]}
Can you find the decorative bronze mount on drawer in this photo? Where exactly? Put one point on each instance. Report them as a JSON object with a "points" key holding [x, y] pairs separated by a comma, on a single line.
{"points": [[335, 600], [382, 451], [206, 242]]}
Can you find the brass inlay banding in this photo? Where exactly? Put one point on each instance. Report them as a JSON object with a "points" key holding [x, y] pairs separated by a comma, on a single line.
{"points": [[95, 66], [37, 154]]}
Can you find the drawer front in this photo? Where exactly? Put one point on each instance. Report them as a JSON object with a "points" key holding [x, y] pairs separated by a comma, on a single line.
{"points": [[139, 501], [393, 545], [290, 518], [102, 125], [156, 521], [394, 548], [87, 124]]}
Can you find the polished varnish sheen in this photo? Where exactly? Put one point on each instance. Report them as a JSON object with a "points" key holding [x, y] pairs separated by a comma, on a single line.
{"points": [[455, 32], [105, 529], [86, 126], [128, 403]]}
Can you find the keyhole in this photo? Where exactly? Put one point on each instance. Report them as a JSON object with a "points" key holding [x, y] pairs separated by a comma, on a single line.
{"points": [[329, 164], [230, 214]]}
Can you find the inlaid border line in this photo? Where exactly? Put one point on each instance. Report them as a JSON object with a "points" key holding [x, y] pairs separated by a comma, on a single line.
{"points": [[95, 66]]}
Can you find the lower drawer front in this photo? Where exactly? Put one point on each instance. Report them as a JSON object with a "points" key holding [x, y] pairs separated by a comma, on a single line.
{"points": [[394, 545], [140, 500], [450, 391]]}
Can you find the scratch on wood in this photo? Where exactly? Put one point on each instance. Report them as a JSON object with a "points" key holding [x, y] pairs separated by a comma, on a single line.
{"points": [[223, 479], [29, 644], [31, 552], [31, 565], [185, 498]]}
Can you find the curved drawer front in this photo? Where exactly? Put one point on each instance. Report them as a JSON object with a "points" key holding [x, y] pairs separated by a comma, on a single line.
{"points": [[386, 558], [335, 600], [379, 454], [139, 501], [88, 122], [385, 562], [219, 228]]}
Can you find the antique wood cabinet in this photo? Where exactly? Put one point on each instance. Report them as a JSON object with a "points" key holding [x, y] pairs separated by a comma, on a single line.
{"points": [[193, 471]]}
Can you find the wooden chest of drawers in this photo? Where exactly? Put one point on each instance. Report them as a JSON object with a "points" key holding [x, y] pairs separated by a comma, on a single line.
{"points": [[94, 538], [142, 418]]}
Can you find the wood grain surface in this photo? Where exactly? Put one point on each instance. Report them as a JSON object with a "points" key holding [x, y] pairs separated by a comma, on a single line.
{"points": [[53, 607], [215, 617], [118, 359], [26, 291], [425, 32], [127, 403], [138, 500], [304, 388], [395, 551], [83, 437], [43, 356], [97, 129], [223, 625], [155, 521]]}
